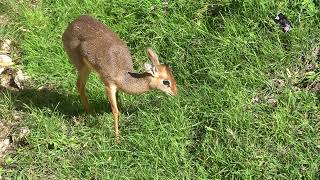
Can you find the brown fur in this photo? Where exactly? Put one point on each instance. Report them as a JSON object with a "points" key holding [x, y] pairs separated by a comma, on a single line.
{"points": [[91, 45]]}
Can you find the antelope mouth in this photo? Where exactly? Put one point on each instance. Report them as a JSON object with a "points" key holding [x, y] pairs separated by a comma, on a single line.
{"points": [[171, 93]]}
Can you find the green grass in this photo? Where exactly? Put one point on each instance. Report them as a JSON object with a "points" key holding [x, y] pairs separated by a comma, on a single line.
{"points": [[223, 54]]}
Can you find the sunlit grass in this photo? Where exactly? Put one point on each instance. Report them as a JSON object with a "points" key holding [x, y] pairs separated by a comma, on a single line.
{"points": [[230, 119]]}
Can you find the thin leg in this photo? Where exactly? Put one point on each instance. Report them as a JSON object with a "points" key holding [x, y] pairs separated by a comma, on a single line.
{"points": [[119, 100], [111, 93], [83, 75]]}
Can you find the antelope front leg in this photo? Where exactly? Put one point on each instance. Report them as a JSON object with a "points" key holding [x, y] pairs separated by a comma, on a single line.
{"points": [[111, 93]]}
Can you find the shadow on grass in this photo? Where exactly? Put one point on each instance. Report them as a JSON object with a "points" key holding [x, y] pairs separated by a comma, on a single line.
{"points": [[64, 103], [199, 135], [67, 104]]}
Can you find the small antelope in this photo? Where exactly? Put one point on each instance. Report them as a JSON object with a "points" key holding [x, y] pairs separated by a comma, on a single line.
{"points": [[91, 45]]}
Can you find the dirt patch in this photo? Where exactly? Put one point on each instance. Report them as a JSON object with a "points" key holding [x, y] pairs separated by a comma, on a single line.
{"points": [[12, 136], [314, 87], [12, 79], [298, 77], [3, 20], [269, 99], [309, 75], [5, 141]]}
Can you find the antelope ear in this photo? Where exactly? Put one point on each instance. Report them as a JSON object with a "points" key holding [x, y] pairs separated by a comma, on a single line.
{"points": [[150, 68], [153, 56]]}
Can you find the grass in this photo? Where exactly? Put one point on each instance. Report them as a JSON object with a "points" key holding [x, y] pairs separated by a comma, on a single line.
{"points": [[246, 108]]}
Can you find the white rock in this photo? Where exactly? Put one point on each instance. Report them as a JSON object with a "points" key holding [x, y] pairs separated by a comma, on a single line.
{"points": [[19, 78], [5, 60], [6, 142], [24, 131], [1, 69], [4, 145], [6, 45]]}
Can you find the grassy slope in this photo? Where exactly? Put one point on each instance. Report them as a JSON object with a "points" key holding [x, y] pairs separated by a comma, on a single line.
{"points": [[223, 55]]}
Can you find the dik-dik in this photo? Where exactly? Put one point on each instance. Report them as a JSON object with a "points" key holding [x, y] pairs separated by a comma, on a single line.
{"points": [[91, 45]]}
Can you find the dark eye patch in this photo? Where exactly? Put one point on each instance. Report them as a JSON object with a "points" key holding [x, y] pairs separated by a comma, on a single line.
{"points": [[166, 82]]}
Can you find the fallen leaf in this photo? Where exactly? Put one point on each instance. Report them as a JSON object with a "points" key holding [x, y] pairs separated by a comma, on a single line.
{"points": [[46, 87], [24, 30], [289, 74]]}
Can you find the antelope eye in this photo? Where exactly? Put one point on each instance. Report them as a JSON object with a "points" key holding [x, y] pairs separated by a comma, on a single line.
{"points": [[166, 82]]}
